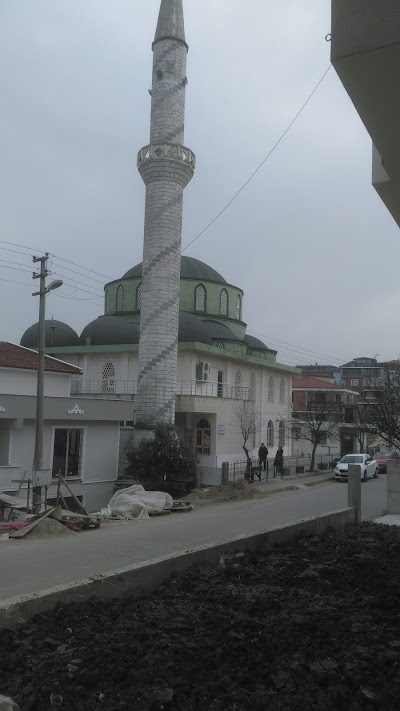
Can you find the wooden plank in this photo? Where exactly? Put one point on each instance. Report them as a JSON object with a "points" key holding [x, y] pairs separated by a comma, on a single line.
{"points": [[27, 529], [81, 506], [14, 502]]}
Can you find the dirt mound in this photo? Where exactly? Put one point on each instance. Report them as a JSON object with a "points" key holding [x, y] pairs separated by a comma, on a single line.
{"points": [[229, 492], [49, 527], [313, 626]]}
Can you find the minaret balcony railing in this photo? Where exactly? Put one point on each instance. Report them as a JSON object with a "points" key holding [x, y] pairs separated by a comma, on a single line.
{"points": [[166, 151]]}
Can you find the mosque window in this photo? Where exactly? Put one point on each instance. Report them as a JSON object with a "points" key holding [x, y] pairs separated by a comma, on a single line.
{"points": [[238, 307], [120, 298], [223, 303], [221, 346], [108, 378], [263, 355], [238, 385], [203, 437], [270, 434], [252, 387], [240, 351], [139, 297], [106, 302], [282, 391], [200, 298], [271, 390], [282, 433]]}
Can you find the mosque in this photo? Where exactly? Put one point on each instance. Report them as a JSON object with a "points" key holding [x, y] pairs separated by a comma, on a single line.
{"points": [[172, 339]]}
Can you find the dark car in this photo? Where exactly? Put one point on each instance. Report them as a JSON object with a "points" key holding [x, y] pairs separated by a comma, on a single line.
{"points": [[382, 458]]}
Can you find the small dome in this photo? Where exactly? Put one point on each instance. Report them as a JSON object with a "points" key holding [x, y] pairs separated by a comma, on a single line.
{"points": [[110, 331], [57, 334], [256, 344], [219, 332], [192, 329], [190, 269]]}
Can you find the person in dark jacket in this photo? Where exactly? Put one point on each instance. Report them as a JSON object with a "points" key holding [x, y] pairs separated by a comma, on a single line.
{"points": [[278, 461], [262, 456]]}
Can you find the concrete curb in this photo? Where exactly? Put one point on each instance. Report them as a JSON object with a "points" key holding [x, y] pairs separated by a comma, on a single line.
{"points": [[146, 577]]}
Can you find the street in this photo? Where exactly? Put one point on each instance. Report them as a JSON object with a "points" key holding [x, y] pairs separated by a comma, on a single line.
{"points": [[28, 566]]}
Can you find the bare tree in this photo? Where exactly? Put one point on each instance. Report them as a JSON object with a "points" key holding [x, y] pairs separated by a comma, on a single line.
{"points": [[249, 424], [318, 422], [381, 416]]}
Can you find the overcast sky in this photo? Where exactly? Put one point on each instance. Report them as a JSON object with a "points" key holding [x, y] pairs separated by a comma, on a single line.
{"points": [[308, 240]]}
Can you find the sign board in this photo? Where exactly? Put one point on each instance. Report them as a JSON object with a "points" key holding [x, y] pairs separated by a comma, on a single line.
{"points": [[42, 478], [221, 429]]}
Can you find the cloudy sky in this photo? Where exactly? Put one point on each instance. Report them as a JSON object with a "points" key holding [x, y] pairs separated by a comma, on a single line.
{"points": [[308, 240]]}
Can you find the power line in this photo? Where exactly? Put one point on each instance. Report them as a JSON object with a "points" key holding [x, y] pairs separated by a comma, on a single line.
{"points": [[274, 147], [306, 351]]}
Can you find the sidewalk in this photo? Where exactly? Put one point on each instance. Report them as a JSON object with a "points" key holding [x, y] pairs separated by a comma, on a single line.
{"points": [[289, 482]]}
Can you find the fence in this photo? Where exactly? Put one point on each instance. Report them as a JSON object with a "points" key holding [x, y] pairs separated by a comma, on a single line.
{"points": [[292, 465]]}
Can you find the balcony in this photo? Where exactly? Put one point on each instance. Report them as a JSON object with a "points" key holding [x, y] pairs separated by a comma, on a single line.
{"points": [[127, 389]]}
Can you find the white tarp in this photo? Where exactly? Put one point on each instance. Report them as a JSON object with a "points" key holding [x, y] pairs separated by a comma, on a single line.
{"points": [[136, 502]]}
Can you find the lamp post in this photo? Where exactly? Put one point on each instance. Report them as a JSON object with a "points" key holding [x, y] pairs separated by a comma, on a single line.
{"points": [[39, 472]]}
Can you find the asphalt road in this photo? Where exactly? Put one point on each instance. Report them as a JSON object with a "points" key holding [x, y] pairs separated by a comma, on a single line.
{"points": [[29, 566]]}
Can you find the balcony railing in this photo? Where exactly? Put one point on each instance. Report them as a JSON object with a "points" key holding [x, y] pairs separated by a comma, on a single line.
{"points": [[118, 388]]}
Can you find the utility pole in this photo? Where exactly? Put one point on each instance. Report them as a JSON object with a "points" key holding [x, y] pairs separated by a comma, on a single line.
{"points": [[40, 475]]}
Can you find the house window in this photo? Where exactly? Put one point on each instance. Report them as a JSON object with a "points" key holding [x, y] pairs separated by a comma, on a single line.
{"points": [[354, 382], [270, 434], [203, 437], [223, 303], [67, 452], [238, 307], [5, 446], [252, 387], [271, 390], [282, 433], [120, 298], [200, 298], [282, 391], [139, 297], [108, 378], [238, 385]]}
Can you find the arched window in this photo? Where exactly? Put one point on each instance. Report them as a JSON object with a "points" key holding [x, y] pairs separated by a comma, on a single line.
{"points": [[252, 387], [240, 351], [271, 389], [108, 378], [200, 298], [282, 433], [238, 307], [120, 298], [282, 391], [139, 297], [270, 434], [106, 301], [221, 346], [203, 437], [223, 303], [238, 385]]}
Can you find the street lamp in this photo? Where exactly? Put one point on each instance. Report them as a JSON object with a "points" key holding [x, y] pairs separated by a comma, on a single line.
{"points": [[40, 475]]}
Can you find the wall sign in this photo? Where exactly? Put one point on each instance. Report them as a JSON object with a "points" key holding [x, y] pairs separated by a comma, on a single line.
{"points": [[76, 410], [2, 409], [221, 429]]}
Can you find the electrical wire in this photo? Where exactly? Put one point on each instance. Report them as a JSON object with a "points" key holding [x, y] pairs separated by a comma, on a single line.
{"points": [[293, 346], [274, 147]]}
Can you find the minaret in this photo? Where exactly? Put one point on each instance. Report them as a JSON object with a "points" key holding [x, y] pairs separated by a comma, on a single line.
{"points": [[166, 167]]}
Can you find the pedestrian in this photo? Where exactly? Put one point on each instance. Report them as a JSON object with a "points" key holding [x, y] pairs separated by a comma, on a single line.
{"points": [[278, 462], [262, 456]]}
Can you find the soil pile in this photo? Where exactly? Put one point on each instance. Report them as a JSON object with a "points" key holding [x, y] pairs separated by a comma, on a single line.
{"points": [[228, 492], [313, 625]]}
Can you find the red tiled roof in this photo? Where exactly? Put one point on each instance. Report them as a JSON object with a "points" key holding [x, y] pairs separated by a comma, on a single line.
{"points": [[315, 384], [13, 356]]}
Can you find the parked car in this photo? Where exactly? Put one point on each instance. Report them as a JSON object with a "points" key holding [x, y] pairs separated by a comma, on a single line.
{"points": [[368, 467], [383, 457]]}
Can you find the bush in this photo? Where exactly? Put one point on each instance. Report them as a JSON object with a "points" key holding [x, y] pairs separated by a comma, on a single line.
{"points": [[163, 463]]}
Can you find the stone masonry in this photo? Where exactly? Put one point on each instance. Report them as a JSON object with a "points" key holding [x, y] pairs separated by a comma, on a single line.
{"points": [[166, 167]]}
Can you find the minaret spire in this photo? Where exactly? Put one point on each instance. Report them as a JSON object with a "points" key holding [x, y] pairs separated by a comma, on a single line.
{"points": [[166, 167], [171, 24]]}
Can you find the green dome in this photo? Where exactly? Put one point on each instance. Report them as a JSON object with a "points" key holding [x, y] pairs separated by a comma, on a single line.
{"points": [[57, 334], [219, 332], [110, 331], [192, 329], [190, 269]]}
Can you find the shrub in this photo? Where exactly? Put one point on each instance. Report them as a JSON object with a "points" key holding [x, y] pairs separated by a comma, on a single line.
{"points": [[163, 463]]}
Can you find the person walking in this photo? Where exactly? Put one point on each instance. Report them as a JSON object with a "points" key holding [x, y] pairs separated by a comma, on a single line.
{"points": [[278, 462], [262, 456]]}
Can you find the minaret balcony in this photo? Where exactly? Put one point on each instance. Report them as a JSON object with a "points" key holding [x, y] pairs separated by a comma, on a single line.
{"points": [[166, 151]]}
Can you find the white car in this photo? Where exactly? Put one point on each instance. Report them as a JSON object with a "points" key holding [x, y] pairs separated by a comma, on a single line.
{"points": [[368, 467]]}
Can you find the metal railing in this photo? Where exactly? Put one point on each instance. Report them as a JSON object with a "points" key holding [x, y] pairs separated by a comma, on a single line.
{"points": [[83, 386]]}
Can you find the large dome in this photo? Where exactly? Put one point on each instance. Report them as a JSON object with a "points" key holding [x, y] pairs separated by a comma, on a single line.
{"points": [[57, 334], [110, 331], [218, 331], [192, 329], [190, 269]]}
